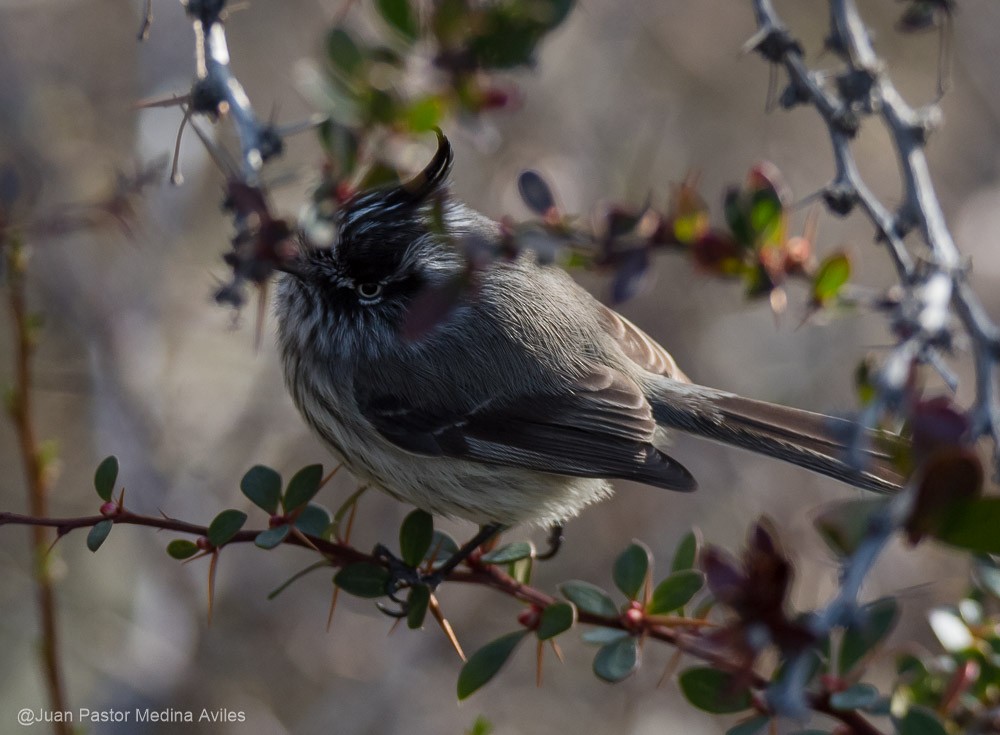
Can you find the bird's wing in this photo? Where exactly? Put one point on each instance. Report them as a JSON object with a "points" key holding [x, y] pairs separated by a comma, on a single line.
{"points": [[639, 347], [601, 427]]}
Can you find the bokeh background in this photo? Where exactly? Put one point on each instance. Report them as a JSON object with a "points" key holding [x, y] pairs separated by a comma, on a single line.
{"points": [[136, 360]]}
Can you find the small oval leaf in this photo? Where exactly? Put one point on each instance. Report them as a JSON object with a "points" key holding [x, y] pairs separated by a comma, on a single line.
{"points": [[617, 661], [416, 536], [876, 621], [442, 548], [714, 691], [589, 598], [344, 52], [181, 548], [859, 696], [557, 618], [601, 636], [105, 477], [302, 487], [262, 486], [224, 526], [535, 193], [363, 579], [417, 603], [686, 553], [98, 533], [631, 568], [833, 273], [314, 520], [510, 553], [400, 16], [919, 721], [675, 591], [273, 536], [484, 664]]}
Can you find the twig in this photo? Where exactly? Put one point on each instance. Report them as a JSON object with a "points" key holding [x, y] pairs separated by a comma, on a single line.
{"points": [[491, 576], [218, 92], [938, 289], [37, 474]]}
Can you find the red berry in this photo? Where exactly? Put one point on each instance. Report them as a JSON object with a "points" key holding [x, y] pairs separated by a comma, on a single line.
{"points": [[109, 509], [203, 543]]}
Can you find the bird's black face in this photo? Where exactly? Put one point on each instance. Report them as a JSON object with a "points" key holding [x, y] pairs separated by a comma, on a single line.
{"points": [[373, 266], [356, 291]]}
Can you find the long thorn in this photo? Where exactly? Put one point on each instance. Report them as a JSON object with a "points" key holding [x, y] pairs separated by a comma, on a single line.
{"points": [[212, 566], [449, 632]]}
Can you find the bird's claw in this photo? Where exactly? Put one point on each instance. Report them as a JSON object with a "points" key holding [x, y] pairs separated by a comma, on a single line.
{"points": [[401, 576]]}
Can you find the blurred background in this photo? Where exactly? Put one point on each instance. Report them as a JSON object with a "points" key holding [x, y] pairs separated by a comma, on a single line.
{"points": [[136, 360]]}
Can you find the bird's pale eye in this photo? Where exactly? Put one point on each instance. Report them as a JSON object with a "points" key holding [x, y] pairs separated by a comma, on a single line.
{"points": [[369, 291]]}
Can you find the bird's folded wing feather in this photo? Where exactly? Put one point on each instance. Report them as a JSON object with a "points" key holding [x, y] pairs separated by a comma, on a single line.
{"points": [[602, 426]]}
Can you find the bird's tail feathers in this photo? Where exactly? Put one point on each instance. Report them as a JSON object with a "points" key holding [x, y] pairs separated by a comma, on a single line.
{"points": [[803, 438]]}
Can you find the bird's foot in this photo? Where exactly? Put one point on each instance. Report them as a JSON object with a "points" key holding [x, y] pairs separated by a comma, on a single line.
{"points": [[553, 543], [402, 577]]}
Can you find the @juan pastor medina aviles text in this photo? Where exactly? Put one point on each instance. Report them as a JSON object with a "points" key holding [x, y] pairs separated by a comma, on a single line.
{"points": [[85, 715]]}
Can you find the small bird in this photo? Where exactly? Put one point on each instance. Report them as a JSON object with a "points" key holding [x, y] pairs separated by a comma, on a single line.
{"points": [[520, 404]]}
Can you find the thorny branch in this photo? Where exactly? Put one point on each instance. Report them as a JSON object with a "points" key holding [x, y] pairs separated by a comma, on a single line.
{"points": [[935, 287], [478, 573], [37, 474]]}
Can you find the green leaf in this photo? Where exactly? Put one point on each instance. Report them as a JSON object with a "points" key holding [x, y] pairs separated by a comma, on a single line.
{"points": [[98, 533], [418, 601], [484, 664], [416, 536], [521, 570], [303, 487], [877, 620], [843, 525], [766, 213], [262, 486], [224, 526], [442, 548], [589, 597], [735, 210], [749, 727], [181, 548], [273, 536], [400, 16], [601, 635], [314, 520], [919, 721], [675, 591], [481, 726], [617, 661], [833, 273], [973, 525], [363, 579], [424, 114], [714, 691], [631, 568], [344, 52], [509, 553], [687, 552], [556, 618], [105, 477], [859, 696]]}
